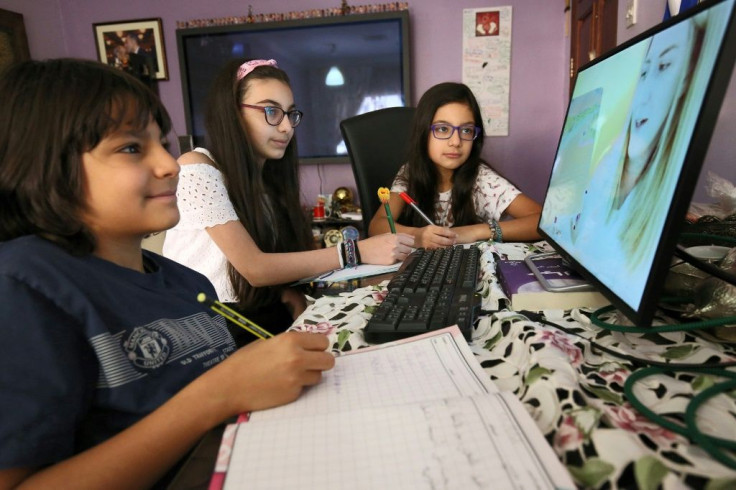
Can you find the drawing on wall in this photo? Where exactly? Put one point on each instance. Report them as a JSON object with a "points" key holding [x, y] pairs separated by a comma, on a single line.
{"points": [[486, 23], [487, 64]]}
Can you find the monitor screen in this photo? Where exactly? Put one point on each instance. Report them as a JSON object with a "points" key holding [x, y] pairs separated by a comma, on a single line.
{"points": [[632, 144], [339, 67]]}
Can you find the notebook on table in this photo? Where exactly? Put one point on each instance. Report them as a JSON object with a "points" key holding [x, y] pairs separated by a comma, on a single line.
{"points": [[413, 413]]}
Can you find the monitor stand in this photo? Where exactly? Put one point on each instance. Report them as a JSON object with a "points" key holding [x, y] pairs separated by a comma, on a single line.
{"points": [[529, 260]]}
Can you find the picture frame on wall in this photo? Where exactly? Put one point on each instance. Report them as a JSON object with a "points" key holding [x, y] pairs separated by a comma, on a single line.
{"points": [[134, 46], [13, 39]]}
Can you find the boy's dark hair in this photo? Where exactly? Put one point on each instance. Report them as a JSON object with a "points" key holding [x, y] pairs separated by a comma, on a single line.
{"points": [[266, 200], [52, 112], [423, 176]]}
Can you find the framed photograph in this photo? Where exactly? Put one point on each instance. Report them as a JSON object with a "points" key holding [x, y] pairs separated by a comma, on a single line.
{"points": [[136, 46], [13, 40]]}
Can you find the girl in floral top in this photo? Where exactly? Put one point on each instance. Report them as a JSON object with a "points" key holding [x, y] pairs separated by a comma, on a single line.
{"points": [[463, 196]]}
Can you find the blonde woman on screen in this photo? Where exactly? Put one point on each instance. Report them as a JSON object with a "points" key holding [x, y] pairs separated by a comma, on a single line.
{"points": [[622, 208]]}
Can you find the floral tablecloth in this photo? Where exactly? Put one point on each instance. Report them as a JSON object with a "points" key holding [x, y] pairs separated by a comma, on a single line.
{"points": [[554, 361]]}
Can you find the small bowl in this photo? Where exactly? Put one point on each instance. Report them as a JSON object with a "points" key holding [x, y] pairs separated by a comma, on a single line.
{"points": [[708, 253]]}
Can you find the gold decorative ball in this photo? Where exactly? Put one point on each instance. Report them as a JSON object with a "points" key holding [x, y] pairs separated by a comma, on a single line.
{"points": [[332, 237], [342, 196]]}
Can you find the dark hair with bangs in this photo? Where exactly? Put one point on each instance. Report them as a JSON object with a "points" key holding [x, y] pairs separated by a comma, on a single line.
{"points": [[422, 175], [266, 199], [52, 113]]}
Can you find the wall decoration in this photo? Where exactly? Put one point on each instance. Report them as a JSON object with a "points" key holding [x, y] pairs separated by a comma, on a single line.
{"points": [[13, 40], [487, 64], [135, 46], [250, 18]]}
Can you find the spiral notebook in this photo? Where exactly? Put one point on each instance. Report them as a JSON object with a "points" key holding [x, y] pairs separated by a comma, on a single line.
{"points": [[417, 413]]}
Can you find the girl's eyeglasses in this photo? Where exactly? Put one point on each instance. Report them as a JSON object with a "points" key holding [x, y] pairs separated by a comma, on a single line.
{"points": [[445, 131], [274, 115]]}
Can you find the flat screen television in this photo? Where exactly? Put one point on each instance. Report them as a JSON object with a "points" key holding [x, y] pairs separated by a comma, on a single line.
{"points": [[631, 148], [371, 52]]}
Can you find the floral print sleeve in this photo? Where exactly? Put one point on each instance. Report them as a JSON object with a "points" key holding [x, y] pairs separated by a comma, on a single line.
{"points": [[492, 194], [400, 183]]}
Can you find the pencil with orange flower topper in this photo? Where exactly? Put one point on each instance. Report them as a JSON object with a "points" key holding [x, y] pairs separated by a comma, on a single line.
{"points": [[383, 195]]}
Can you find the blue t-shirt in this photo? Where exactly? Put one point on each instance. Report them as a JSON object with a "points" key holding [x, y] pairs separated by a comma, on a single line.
{"points": [[88, 348]]}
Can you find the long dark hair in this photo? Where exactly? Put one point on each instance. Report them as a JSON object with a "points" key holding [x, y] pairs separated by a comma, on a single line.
{"points": [[422, 174], [53, 112], [266, 200]]}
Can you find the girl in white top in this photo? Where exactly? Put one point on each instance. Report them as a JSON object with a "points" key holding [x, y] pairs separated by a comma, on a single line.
{"points": [[242, 224], [445, 175]]}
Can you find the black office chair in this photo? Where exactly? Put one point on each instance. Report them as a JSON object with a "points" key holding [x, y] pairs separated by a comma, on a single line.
{"points": [[377, 144]]}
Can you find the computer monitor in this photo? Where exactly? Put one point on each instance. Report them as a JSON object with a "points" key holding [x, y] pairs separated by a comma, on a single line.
{"points": [[632, 144]]}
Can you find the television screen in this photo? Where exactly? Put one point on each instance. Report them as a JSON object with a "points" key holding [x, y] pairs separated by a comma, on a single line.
{"points": [[339, 67], [632, 145]]}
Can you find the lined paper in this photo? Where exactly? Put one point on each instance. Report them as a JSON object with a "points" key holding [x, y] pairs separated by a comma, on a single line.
{"points": [[417, 369], [417, 413]]}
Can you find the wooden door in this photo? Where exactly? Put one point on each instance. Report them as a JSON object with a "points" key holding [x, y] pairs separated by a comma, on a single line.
{"points": [[594, 24]]}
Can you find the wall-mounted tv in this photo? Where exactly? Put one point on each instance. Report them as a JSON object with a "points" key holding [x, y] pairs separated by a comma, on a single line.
{"points": [[371, 52]]}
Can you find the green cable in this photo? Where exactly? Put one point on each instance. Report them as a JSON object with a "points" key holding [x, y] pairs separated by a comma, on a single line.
{"points": [[710, 444], [677, 327], [709, 237]]}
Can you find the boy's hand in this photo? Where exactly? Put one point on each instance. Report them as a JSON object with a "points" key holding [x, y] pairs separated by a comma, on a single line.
{"points": [[268, 373]]}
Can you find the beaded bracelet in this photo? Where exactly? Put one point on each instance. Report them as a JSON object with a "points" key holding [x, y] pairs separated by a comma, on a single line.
{"points": [[351, 259], [496, 233]]}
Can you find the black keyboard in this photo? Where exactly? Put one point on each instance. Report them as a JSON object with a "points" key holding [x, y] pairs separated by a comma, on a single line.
{"points": [[434, 289]]}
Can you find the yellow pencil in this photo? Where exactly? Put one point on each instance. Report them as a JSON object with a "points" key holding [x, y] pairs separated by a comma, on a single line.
{"points": [[383, 195], [234, 316]]}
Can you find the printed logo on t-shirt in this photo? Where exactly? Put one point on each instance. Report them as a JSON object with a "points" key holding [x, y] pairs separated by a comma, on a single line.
{"points": [[199, 340], [146, 348]]}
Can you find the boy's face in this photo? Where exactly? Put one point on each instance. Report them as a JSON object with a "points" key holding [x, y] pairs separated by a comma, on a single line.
{"points": [[130, 186]]}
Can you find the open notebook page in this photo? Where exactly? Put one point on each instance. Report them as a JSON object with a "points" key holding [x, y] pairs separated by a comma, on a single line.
{"points": [[426, 367], [485, 441]]}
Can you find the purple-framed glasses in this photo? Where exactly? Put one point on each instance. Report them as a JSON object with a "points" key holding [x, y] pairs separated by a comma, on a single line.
{"points": [[444, 131]]}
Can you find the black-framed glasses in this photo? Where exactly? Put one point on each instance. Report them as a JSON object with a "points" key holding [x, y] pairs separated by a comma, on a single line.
{"points": [[444, 131], [274, 115]]}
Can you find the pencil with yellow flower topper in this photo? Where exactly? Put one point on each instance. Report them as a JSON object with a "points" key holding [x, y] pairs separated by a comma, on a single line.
{"points": [[383, 195]]}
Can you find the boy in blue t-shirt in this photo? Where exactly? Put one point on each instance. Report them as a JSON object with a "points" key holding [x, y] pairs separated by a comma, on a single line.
{"points": [[111, 370]]}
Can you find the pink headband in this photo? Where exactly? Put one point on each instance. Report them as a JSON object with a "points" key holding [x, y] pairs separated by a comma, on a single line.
{"points": [[251, 65]]}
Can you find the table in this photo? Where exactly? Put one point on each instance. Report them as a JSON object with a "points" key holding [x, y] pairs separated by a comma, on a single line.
{"points": [[573, 390]]}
